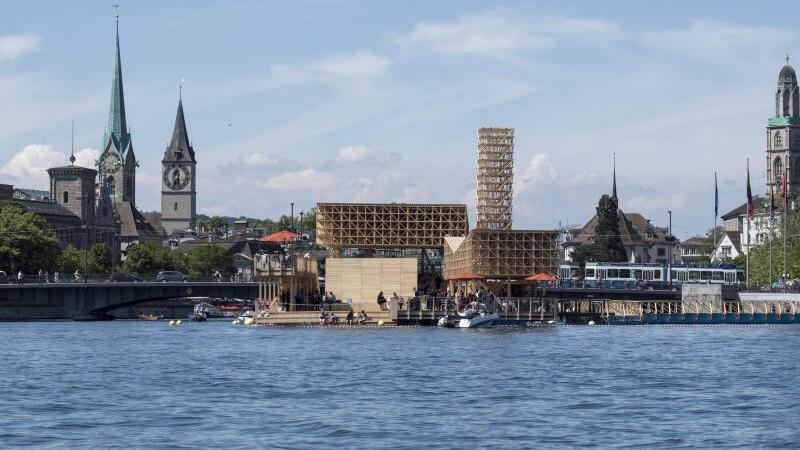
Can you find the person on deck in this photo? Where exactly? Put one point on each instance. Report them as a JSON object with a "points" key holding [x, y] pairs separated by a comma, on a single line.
{"points": [[382, 301], [349, 318]]}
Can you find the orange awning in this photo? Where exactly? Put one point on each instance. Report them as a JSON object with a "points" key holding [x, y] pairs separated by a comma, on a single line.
{"points": [[466, 276], [541, 277], [280, 237]]}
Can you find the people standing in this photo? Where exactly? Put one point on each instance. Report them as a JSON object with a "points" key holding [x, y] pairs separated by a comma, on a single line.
{"points": [[20, 277], [382, 301]]}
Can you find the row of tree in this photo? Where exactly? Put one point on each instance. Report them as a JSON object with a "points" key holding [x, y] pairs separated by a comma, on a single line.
{"points": [[221, 225], [28, 244]]}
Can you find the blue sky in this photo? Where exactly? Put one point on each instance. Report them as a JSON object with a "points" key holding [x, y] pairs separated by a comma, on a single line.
{"points": [[309, 101]]}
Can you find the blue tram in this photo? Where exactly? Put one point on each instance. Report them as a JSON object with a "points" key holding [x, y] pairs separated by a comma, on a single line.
{"points": [[637, 276]]}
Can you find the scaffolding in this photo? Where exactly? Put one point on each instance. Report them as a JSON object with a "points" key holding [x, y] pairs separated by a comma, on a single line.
{"points": [[502, 254], [388, 225], [495, 178]]}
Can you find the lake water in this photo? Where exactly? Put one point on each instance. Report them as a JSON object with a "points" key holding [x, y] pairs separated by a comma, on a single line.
{"points": [[212, 385]]}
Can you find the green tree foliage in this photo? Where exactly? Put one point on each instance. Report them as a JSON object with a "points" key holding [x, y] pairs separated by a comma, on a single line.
{"points": [[26, 241], [606, 245], [147, 258], [100, 258], [759, 256], [204, 260], [71, 260], [218, 225]]}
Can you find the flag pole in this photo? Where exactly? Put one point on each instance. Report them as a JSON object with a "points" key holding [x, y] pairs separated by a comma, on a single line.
{"points": [[716, 211], [749, 212], [785, 224]]}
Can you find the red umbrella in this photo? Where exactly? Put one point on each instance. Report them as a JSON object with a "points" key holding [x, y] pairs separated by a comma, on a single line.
{"points": [[541, 277], [280, 237], [466, 276]]}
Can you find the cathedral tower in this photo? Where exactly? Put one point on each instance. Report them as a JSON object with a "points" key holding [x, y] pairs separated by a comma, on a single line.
{"points": [[783, 134], [117, 161], [178, 181]]}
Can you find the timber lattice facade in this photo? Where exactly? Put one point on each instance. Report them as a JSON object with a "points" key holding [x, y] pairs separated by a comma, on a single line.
{"points": [[495, 178], [388, 225], [502, 254]]}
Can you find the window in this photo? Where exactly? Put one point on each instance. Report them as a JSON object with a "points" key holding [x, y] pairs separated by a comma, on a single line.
{"points": [[705, 275], [694, 275], [726, 250], [717, 275], [777, 169], [656, 274], [778, 140], [175, 206], [661, 251], [589, 273], [624, 273], [66, 197], [637, 274], [613, 273]]}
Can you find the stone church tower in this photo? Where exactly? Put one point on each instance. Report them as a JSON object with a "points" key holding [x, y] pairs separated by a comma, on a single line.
{"points": [[117, 161], [783, 135], [178, 181]]}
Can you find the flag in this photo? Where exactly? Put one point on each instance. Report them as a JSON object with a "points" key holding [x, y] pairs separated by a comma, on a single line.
{"points": [[716, 197], [772, 205], [749, 193]]}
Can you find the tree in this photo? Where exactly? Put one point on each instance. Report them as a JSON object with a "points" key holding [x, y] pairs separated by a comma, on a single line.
{"points": [[309, 222], [100, 258], [759, 256], [285, 223], [606, 245], [218, 225], [27, 242], [71, 260], [147, 258], [204, 260]]}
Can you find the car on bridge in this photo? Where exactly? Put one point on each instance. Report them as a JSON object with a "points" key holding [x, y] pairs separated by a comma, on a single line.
{"points": [[122, 277], [171, 275]]}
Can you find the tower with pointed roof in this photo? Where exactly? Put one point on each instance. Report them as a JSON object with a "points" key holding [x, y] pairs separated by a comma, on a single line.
{"points": [[178, 181], [783, 134], [117, 162]]}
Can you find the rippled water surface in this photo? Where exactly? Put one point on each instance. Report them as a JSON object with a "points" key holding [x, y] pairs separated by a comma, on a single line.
{"points": [[213, 385]]}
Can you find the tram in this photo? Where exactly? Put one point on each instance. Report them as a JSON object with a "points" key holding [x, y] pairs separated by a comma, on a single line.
{"points": [[647, 276]]}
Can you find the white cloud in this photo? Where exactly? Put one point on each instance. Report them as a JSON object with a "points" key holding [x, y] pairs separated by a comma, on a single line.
{"points": [[361, 154], [86, 157], [362, 64], [28, 168], [340, 70], [538, 171], [720, 41], [308, 179], [15, 45], [258, 159], [415, 193], [352, 153], [491, 33], [30, 165]]}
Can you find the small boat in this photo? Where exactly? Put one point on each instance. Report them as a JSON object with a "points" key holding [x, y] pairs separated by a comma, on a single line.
{"points": [[480, 320], [480, 317], [249, 314], [448, 321], [200, 313], [149, 317]]}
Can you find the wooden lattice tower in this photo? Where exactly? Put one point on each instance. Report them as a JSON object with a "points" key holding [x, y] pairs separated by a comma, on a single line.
{"points": [[495, 178], [388, 225], [502, 254]]}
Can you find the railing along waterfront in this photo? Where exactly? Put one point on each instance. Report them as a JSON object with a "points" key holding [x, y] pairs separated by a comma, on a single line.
{"points": [[507, 308]]}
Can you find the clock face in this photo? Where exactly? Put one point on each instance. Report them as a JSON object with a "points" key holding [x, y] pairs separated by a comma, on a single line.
{"points": [[176, 177], [110, 163]]}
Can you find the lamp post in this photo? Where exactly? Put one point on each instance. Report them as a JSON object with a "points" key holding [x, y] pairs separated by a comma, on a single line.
{"points": [[291, 218], [669, 250], [301, 224]]}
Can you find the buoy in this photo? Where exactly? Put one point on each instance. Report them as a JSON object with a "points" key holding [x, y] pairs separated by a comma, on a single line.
{"points": [[380, 323], [235, 322], [172, 323], [249, 321], [178, 322], [591, 322]]}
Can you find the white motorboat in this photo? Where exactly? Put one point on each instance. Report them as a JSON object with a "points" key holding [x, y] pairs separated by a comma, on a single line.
{"points": [[249, 314], [480, 318]]}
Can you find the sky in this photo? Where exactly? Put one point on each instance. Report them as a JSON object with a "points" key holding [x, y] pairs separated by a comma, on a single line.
{"points": [[309, 101]]}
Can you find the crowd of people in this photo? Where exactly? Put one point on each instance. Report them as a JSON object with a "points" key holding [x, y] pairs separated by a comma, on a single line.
{"points": [[330, 318]]}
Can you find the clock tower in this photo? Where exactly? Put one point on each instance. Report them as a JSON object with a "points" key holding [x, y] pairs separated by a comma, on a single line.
{"points": [[178, 180], [783, 135]]}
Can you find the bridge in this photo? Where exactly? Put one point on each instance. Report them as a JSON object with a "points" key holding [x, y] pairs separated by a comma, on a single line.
{"points": [[98, 300]]}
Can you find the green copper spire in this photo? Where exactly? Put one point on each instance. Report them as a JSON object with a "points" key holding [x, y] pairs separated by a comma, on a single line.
{"points": [[117, 128]]}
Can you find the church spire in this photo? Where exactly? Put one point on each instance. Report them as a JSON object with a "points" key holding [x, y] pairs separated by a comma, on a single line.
{"points": [[117, 127], [179, 146], [614, 177]]}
